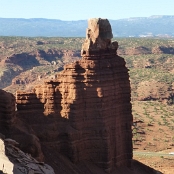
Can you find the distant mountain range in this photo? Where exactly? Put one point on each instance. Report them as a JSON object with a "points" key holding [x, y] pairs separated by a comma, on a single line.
{"points": [[153, 26]]}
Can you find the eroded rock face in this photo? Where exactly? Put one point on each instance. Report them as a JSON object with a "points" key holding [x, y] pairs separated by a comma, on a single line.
{"points": [[87, 107], [98, 36], [19, 70], [14, 128], [7, 109], [45, 99], [95, 92], [14, 161]]}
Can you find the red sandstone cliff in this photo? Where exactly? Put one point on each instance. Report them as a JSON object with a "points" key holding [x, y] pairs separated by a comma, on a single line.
{"points": [[7, 109], [15, 128], [89, 103], [81, 120]]}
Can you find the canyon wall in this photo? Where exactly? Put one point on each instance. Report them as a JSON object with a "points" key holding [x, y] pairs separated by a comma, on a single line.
{"points": [[85, 113], [7, 110], [13, 127]]}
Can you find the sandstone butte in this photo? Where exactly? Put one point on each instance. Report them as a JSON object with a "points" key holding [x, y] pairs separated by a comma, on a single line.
{"points": [[81, 121]]}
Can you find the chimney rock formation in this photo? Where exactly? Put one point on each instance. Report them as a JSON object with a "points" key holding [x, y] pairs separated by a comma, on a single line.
{"points": [[85, 113]]}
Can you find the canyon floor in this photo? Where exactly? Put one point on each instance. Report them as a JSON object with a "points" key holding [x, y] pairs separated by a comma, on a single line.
{"points": [[162, 164], [153, 132]]}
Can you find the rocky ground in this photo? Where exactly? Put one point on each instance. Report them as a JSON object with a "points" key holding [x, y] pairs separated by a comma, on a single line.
{"points": [[153, 132], [14, 161]]}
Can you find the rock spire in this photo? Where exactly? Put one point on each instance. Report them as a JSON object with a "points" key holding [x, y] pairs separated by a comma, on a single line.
{"points": [[88, 106]]}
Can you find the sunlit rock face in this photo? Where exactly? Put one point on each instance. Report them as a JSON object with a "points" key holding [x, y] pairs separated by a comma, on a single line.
{"points": [[96, 99], [87, 109], [98, 36]]}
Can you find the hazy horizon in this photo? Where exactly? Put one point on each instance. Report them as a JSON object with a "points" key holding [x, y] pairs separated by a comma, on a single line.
{"points": [[85, 19], [81, 10]]}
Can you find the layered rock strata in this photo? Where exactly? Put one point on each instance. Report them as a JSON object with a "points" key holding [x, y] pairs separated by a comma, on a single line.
{"points": [[96, 100], [88, 106], [15, 128], [44, 99], [7, 109]]}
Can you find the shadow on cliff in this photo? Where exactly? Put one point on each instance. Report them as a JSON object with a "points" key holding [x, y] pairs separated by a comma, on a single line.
{"points": [[24, 60]]}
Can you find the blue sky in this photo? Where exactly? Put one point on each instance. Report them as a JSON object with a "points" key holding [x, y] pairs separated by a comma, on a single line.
{"points": [[84, 9]]}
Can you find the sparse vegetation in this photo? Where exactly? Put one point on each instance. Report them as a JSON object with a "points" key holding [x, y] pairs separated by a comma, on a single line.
{"points": [[16, 45], [158, 127]]}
